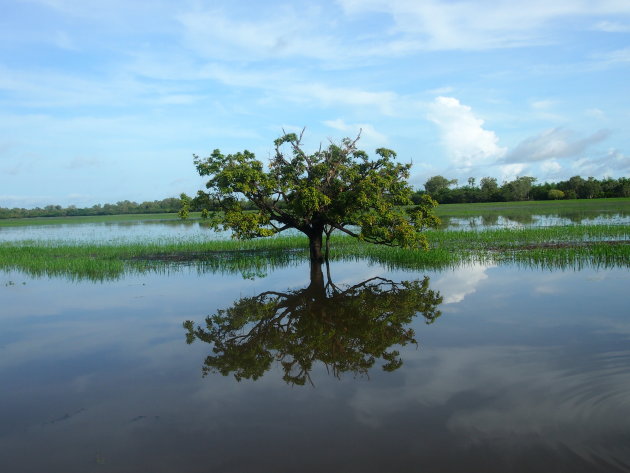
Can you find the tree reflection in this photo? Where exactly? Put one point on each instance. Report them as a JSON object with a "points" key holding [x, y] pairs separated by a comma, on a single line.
{"points": [[348, 329]]}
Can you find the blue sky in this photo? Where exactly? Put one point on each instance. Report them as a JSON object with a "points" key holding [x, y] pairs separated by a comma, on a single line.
{"points": [[102, 101]]}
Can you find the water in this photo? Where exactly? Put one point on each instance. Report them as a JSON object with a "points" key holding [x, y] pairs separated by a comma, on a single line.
{"points": [[113, 232], [171, 230], [533, 221], [524, 370]]}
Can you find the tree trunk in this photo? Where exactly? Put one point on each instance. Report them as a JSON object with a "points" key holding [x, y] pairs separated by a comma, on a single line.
{"points": [[315, 246]]}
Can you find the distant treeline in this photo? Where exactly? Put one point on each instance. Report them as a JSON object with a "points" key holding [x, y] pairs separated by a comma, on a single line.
{"points": [[443, 190], [171, 204], [522, 188]]}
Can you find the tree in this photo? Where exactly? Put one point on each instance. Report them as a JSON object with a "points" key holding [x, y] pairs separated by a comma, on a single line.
{"points": [[519, 188], [555, 194], [435, 184], [335, 188], [489, 188]]}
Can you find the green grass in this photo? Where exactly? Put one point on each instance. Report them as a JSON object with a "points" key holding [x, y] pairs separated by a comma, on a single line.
{"points": [[569, 246], [536, 207], [12, 222]]}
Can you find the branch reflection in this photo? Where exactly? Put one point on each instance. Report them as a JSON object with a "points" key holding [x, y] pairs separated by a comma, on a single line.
{"points": [[346, 328]]}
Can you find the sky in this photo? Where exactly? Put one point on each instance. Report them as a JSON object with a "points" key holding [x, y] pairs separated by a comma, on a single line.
{"points": [[103, 101]]}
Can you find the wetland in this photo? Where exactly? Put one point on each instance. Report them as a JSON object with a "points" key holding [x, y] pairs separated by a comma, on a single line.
{"points": [[499, 349]]}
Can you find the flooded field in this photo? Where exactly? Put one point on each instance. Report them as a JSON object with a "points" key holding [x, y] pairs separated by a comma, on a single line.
{"points": [[169, 229], [518, 370], [256, 361]]}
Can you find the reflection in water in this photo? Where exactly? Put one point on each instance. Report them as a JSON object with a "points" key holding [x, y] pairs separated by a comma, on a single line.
{"points": [[526, 371], [525, 219], [346, 329]]}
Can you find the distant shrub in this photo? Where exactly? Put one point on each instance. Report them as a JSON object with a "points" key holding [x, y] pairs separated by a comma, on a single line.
{"points": [[555, 194]]}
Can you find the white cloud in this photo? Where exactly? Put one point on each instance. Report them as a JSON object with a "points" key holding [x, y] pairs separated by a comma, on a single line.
{"points": [[553, 143], [467, 143], [542, 104], [370, 137], [281, 83], [614, 162], [479, 24], [612, 27], [281, 34], [551, 168], [48, 88], [447, 89], [596, 113], [19, 201], [618, 56], [326, 95], [509, 172]]}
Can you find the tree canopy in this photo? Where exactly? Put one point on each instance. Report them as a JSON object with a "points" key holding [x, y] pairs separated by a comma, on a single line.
{"points": [[335, 188], [436, 184]]}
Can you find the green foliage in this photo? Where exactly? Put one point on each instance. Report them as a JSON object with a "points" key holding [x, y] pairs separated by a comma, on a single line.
{"points": [[518, 189], [125, 207], [185, 208], [555, 194], [436, 184], [524, 188], [335, 188]]}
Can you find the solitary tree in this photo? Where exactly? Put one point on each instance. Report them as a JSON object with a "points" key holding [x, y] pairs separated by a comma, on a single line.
{"points": [[335, 188]]}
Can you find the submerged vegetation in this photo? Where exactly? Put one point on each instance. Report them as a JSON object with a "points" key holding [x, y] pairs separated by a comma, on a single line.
{"points": [[566, 246]]}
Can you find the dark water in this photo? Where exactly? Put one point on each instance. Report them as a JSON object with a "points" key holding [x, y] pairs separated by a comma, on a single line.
{"points": [[520, 370]]}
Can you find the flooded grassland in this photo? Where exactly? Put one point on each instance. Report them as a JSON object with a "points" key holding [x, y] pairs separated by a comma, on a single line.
{"points": [[256, 362]]}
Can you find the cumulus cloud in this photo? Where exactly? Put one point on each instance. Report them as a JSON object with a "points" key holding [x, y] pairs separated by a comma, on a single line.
{"points": [[612, 163], [463, 135], [509, 172], [552, 144], [551, 168]]}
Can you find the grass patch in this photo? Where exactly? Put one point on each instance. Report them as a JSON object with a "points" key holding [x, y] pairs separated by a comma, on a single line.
{"points": [[569, 246], [15, 222], [537, 207]]}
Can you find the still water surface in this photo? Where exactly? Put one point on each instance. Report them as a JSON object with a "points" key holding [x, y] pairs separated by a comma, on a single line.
{"points": [[524, 370], [195, 230]]}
